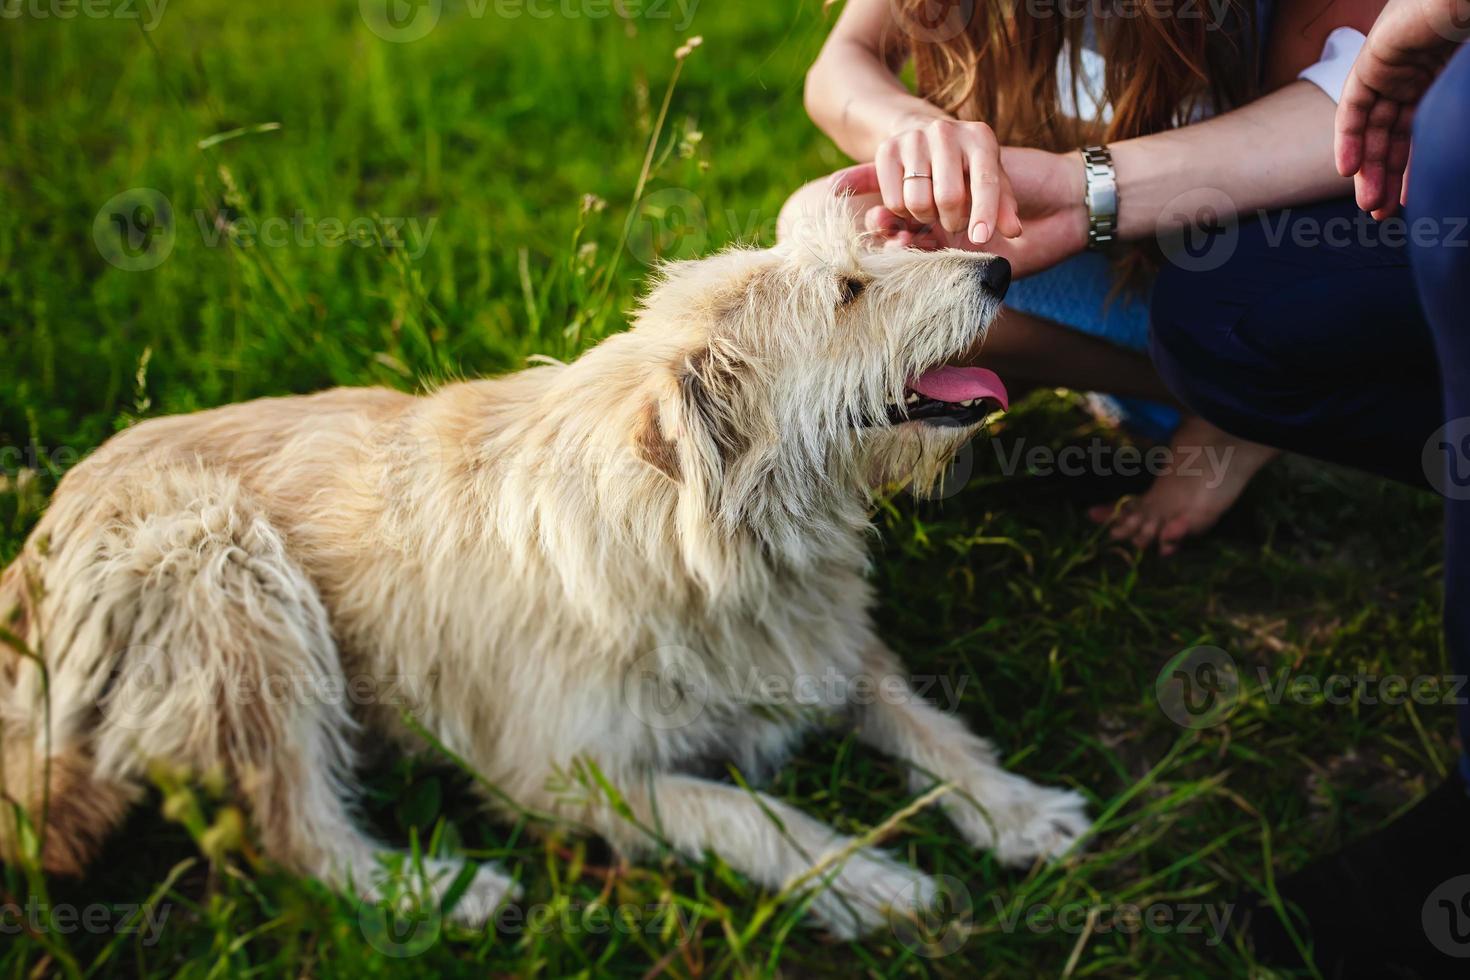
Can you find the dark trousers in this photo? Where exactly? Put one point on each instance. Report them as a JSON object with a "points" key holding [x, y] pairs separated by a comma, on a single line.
{"points": [[1323, 332]]}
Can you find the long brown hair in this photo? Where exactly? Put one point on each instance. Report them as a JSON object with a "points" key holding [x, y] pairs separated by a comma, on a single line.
{"points": [[996, 61]]}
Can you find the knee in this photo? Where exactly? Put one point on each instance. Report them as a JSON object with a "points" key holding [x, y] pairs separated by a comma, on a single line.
{"points": [[1441, 139], [1439, 195], [1200, 344], [1186, 339]]}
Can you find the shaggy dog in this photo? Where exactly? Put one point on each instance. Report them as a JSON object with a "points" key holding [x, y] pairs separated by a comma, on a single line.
{"points": [[575, 569]]}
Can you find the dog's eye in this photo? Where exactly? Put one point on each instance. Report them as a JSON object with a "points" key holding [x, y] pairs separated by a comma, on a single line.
{"points": [[851, 290]]}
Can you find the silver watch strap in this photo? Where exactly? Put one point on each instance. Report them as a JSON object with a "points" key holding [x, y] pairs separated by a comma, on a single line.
{"points": [[1101, 196]]}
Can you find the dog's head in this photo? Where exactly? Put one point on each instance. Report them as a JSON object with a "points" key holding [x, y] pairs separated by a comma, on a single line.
{"points": [[789, 380]]}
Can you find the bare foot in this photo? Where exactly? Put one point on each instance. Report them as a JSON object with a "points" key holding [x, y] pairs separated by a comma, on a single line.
{"points": [[1207, 471]]}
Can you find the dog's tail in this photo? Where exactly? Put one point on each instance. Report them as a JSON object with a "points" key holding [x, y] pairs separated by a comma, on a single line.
{"points": [[52, 811]]}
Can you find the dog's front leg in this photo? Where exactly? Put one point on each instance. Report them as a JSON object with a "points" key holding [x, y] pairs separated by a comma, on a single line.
{"points": [[993, 808], [771, 843]]}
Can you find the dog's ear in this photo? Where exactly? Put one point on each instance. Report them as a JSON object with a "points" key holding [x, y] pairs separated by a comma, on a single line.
{"points": [[701, 415]]}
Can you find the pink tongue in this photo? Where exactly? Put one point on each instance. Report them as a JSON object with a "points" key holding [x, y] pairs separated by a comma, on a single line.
{"points": [[960, 384]]}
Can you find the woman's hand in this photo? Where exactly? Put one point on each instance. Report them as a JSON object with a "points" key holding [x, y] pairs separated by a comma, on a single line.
{"points": [[1048, 190], [963, 189], [1406, 50]]}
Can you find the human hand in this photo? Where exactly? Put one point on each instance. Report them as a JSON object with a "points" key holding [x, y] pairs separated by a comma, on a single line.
{"points": [[965, 192], [1406, 50], [1048, 188]]}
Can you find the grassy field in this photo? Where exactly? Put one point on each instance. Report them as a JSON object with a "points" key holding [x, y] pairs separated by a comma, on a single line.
{"points": [[409, 210]]}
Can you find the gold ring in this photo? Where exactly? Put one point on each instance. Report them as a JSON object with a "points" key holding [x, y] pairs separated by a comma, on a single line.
{"points": [[916, 176]]}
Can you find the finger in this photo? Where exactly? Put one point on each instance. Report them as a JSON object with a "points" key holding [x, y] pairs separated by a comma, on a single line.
{"points": [[1408, 168], [1400, 142], [951, 195], [918, 192], [1172, 534], [1127, 523], [861, 178], [1147, 531], [1376, 139], [1008, 220], [1394, 178], [890, 177], [985, 180], [882, 222], [1352, 117]]}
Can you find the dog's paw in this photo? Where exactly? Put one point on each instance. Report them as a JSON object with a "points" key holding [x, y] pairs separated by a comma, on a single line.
{"points": [[409, 892], [487, 891], [868, 892], [1048, 828], [1019, 820]]}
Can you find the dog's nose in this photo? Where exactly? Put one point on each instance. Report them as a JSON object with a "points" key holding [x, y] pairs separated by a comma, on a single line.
{"points": [[995, 275]]}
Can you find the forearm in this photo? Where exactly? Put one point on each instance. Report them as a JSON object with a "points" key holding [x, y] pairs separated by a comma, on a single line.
{"points": [[853, 92], [855, 99], [1274, 152]]}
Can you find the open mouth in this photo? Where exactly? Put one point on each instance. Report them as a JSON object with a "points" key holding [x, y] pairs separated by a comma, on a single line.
{"points": [[950, 395]]}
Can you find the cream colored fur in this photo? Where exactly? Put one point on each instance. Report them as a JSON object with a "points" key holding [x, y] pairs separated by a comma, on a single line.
{"points": [[507, 559]]}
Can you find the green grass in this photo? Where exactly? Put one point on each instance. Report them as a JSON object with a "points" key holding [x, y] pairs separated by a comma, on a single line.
{"points": [[494, 129]]}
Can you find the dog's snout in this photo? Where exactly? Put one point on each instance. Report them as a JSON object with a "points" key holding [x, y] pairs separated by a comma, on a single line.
{"points": [[995, 275]]}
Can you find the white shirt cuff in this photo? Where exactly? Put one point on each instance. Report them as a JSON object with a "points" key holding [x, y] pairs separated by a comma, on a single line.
{"points": [[1338, 54]]}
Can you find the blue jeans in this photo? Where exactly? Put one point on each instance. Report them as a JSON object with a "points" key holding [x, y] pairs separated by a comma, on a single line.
{"points": [[1325, 333]]}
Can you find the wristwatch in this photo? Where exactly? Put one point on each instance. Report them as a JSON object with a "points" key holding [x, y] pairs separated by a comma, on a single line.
{"points": [[1101, 196]]}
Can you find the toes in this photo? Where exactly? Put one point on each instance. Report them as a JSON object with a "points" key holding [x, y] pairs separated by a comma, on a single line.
{"points": [[1129, 520], [1052, 828], [1173, 533], [868, 891], [1148, 530]]}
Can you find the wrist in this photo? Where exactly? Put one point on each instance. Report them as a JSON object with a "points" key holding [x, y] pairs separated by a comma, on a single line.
{"points": [[913, 118], [1074, 175], [1137, 211]]}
